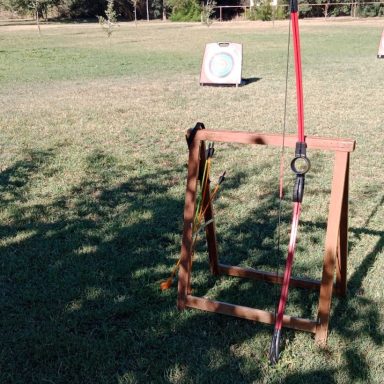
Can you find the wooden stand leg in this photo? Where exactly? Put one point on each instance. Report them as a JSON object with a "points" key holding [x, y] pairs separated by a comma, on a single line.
{"points": [[195, 165], [331, 244], [189, 210], [341, 269]]}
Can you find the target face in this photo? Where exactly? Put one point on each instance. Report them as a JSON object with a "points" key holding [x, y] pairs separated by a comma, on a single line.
{"points": [[221, 64]]}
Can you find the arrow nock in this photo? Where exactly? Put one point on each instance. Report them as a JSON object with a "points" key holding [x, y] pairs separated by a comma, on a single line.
{"points": [[222, 178], [210, 150]]}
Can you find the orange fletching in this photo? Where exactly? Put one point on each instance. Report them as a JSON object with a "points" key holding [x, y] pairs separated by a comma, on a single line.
{"points": [[166, 284]]}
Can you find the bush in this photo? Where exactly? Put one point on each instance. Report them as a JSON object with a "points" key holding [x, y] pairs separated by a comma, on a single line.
{"points": [[265, 12], [281, 13], [370, 10], [186, 10], [207, 11], [260, 12]]}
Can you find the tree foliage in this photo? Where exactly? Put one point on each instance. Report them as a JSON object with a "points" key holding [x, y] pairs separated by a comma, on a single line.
{"points": [[30, 6], [185, 10], [207, 11], [109, 22], [190, 10]]}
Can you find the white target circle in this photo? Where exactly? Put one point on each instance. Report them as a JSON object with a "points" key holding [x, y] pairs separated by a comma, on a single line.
{"points": [[221, 64]]}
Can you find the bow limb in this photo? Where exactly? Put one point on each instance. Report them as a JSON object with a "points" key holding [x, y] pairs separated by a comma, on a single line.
{"points": [[275, 345], [298, 71], [299, 165]]}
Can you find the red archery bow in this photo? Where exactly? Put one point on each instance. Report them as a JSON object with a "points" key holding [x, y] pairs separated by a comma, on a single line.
{"points": [[299, 165]]}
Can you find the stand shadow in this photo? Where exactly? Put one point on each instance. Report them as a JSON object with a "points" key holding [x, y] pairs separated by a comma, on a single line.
{"points": [[244, 82], [80, 299]]}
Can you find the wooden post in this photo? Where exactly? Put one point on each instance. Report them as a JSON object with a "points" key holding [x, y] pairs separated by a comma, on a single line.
{"points": [[341, 271], [333, 244], [189, 209]]}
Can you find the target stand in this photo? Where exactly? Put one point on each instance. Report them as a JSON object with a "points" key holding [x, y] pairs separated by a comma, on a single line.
{"points": [[222, 63], [334, 275], [380, 53]]}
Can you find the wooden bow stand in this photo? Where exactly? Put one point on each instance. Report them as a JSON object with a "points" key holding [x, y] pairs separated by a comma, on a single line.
{"points": [[335, 254]]}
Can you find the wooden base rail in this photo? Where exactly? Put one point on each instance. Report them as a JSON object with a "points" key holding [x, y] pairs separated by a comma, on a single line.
{"points": [[249, 313], [334, 275]]}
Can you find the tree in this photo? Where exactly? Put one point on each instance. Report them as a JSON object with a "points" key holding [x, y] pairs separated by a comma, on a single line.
{"points": [[36, 7], [135, 4], [108, 24], [207, 10], [164, 10]]}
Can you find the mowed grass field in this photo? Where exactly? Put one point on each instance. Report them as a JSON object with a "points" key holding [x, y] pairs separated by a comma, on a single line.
{"points": [[92, 181]]}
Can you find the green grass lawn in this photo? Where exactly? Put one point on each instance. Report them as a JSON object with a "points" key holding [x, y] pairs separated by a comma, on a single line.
{"points": [[92, 181]]}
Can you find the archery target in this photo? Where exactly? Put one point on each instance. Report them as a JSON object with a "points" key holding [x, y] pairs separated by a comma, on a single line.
{"points": [[380, 54], [222, 64]]}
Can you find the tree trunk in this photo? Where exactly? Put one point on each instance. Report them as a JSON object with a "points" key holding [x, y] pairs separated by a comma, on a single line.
{"points": [[164, 11], [147, 10], [37, 16]]}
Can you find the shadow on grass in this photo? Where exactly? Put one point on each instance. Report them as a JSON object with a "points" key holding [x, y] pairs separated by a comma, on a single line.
{"points": [[80, 300], [244, 82], [322, 376], [358, 317], [80, 296]]}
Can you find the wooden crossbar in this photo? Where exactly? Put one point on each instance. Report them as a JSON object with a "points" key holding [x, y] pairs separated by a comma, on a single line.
{"points": [[334, 275], [322, 143], [272, 277], [249, 313]]}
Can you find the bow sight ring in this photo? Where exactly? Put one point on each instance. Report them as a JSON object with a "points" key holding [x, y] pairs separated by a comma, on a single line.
{"points": [[300, 163]]}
